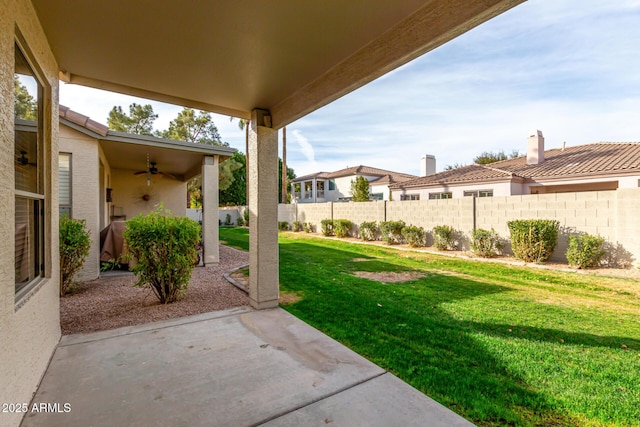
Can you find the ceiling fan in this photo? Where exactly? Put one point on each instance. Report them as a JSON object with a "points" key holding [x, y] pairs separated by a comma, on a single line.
{"points": [[152, 170]]}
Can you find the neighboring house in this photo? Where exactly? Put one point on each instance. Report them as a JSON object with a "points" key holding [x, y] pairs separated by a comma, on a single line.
{"points": [[590, 167], [336, 186], [107, 176]]}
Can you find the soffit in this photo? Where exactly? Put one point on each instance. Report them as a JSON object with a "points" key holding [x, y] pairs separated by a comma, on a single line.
{"points": [[231, 56]]}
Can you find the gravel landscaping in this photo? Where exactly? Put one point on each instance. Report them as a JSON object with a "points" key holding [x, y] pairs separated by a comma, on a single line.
{"points": [[113, 302]]}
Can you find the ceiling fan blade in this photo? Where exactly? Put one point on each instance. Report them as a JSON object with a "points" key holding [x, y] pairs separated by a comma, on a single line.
{"points": [[167, 175], [140, 172]]}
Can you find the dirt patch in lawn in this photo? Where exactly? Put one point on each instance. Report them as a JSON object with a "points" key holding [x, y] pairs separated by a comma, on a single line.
{"points": [[390, 276]]}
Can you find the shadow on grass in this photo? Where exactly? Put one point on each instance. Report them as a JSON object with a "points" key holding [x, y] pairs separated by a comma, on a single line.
{"points": [[404, 329]]}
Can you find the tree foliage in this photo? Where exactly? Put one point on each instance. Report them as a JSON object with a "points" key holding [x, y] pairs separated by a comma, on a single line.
{"points": [[26, 106], [236, 192], [360, 189], [139, 120], [191, 127], [487, 157]]}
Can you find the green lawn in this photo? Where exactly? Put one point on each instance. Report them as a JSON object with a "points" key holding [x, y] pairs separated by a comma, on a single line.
{"points": [[500, 345]]}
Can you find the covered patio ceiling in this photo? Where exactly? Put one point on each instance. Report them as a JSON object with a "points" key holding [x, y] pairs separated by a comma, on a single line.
{"points": [[228, 56]]}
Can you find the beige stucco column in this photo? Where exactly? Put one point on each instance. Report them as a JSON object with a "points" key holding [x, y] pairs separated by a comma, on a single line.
{"points": [[210, 232], [263, 212]]}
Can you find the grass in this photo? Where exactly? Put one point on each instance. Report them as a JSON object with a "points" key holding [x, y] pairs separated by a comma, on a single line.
{"points": [[498, 344]]}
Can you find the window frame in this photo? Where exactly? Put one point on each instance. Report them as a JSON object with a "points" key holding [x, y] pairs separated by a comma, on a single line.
{"points": [[40, 202], [70, 204], [438, 195], [412, 196]]}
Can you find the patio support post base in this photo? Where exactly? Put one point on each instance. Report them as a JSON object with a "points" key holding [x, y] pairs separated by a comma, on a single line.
{"points": [[210, 232], [263, 212]]}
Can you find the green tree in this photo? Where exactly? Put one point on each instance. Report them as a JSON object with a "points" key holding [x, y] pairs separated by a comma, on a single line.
{"points": [[235, 194], [191, 127], [487, 157], [139, 120], [360, 189], [453, 166], [26, 106], [291, 175]]}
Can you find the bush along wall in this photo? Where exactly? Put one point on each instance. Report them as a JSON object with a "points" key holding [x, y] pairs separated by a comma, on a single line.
{"points": [[391, 232], [585, 250], [533, 240], [165, 248], [74, 248]]}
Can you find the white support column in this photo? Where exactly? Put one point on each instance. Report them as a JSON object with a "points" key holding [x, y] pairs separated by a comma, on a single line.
{"points": [[263, 212], [210, 233]]}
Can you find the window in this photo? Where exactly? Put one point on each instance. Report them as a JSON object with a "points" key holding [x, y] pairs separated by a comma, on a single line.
{"points": [[29, 176], [409, 197], [377, 196], [64, 183], [332, 185], [479, 193], [433, 196]]}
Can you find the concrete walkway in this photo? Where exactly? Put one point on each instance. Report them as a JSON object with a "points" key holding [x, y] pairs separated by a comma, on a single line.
{"points": [[231, 368]]}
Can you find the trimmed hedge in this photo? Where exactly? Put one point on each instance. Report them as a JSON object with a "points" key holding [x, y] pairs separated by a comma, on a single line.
{"points": [[369, 230], [166, 248], [444, 237], [485, 243], [391, 232], [326, 225], [342, 227], [585, 250], [533, 240], [413, 235], [74, 248]]}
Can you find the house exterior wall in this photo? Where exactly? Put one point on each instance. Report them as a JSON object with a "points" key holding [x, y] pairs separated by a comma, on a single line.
{"points": [[30, 330], [128, 190], [457, 191], [85, 192], [384, 189]]}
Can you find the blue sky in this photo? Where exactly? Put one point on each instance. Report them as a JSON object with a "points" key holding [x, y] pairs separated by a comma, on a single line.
{"points": [[566, 67]]}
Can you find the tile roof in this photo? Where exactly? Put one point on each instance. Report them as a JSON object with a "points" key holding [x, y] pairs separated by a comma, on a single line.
{"points": [[384, 176], [596, 158], [602, 158], [82, 120]]}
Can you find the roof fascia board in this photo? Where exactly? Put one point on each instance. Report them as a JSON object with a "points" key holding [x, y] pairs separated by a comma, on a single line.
{"points": [[156, 96]]}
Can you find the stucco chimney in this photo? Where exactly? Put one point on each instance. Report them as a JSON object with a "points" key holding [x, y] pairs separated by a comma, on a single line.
{"points": [[427, 165], [535, 148]]}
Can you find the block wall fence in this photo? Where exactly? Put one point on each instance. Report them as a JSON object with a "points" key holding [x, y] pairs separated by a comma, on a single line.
{"points": [[615, 215]]}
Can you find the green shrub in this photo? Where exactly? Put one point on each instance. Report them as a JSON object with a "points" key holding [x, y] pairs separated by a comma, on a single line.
{"points": [[165, 248], [444, 237], [342, 227], [327, 227], [307, 227], [245, 215], [368, 230], [297, 226], [391, 231], [533, 240], [485, 243], [74, 248], [585, 250], [240, 221], [413, 235], [110, 265], [227, 220], [283, 225]]}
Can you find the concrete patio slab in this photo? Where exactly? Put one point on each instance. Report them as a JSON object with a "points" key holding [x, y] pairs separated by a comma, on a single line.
{"points": [[232, 368]]}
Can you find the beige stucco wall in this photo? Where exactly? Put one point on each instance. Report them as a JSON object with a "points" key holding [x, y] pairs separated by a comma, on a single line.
{"points": [[30, 330], [128, 190], [85, 194], [611, 214]]}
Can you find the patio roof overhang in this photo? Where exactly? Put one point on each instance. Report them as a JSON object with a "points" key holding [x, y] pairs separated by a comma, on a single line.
{"points": [[130, 152], [289, 57]]}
